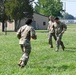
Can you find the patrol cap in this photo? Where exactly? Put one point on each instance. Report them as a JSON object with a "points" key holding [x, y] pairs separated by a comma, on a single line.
{"points": [[28, 21], [56, 18]]}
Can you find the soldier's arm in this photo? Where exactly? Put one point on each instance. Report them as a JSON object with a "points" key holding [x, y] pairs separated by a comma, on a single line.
{"points": [[33, 34], [48, 28], [64, 28], [19, 33]]}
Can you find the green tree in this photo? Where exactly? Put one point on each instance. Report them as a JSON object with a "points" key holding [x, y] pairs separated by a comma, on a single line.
{"points": [[68, 16], [18, 9], [3, 16], [49, 7]]}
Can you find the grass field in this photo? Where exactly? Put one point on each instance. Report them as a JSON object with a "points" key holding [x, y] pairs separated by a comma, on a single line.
{"points": [[43, 60]]}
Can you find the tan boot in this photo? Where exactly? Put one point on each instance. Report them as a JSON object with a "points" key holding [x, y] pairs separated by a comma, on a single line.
{"points": [[22, 64], [19, 64]]}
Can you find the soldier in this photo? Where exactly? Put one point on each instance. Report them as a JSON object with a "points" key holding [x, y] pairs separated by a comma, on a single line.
{"points": [[60, 28], [51, 31], [25, 33]]}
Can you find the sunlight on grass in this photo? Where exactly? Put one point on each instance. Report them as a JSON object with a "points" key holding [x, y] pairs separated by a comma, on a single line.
{"points": [[43, 60]]}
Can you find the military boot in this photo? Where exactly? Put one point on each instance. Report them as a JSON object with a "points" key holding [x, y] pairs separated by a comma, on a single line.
{"points": [[63, 48], [22, 64], [51, 46], [19, 64]]}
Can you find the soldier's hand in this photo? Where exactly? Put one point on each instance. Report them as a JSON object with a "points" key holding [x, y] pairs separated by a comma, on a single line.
{"points": [[34, 37], [62, 32]]}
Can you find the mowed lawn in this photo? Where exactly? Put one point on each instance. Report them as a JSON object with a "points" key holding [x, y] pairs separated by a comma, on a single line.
{"points": [[43, 60]]}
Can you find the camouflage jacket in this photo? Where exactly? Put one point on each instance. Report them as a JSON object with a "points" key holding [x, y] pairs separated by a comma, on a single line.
{"points": [[26, 33], [51, 27], [59, 27]]}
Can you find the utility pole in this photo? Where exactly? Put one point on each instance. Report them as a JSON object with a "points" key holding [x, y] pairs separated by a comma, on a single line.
{"points": [[64, 9], [64, 5]]}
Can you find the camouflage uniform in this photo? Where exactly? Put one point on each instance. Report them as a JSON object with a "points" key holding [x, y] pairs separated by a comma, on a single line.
{"points": [[51, 33], [59, 30], [25, 33]]}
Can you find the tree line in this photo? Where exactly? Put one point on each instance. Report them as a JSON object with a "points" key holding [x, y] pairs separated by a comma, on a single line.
{"points": [[15, 9], [19, 9]]}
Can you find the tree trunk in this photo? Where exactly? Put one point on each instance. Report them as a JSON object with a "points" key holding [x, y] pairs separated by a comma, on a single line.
{"points": [[19, 24], [15, 26], [2, 26]]}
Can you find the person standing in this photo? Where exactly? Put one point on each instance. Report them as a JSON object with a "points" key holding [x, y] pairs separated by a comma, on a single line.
{"points": [[51, 31], [60, 28], [25, 33]]}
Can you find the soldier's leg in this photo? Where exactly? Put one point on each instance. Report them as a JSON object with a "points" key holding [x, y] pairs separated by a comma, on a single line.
{"points": [[54, 36], [24, 59], [62, 45], [25, 56], [23, 52], [58, 41], [57, 44], [50, 40], [21, 47]]}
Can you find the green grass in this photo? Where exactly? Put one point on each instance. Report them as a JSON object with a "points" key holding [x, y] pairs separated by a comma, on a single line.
{"points": [[43, 60]]}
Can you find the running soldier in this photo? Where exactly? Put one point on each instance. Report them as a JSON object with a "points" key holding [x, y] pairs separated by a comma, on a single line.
{"points": [[25, 33]]}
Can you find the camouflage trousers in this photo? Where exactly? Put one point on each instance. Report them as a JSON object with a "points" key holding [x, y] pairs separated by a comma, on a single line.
{"points": [[26, 49], [59, 42], [50, 38]]}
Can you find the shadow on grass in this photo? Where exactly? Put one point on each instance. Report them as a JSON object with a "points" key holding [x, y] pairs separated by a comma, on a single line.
{"points": [[58, 68], [70, 50]]}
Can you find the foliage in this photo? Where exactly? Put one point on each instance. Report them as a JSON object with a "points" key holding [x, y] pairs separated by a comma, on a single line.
{"points": [[3, 16], [43, 60], [15, 9], [49, 7], [18, 9], [68, 16]]}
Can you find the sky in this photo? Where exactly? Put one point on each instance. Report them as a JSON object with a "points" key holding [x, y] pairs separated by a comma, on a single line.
{"points": [[69, 5]]}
